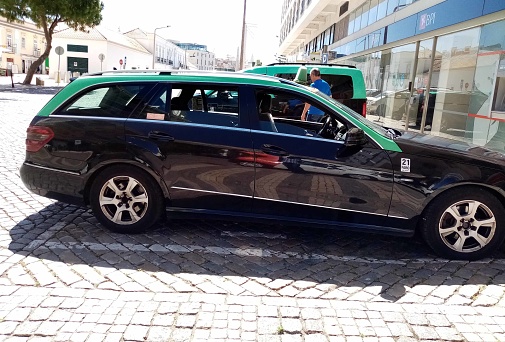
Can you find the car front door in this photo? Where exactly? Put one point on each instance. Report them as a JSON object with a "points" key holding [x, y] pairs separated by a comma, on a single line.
{"points": [[194, 147], [305, 175]]}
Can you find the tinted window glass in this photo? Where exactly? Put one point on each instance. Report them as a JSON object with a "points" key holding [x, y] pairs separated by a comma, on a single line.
{"points": [[210, 105], [110, 101], [157, 107], [274, 107]]}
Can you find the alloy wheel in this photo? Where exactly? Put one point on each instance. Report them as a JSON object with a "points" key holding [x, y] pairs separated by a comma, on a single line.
{"points": [[123, 200], [467, 226]]}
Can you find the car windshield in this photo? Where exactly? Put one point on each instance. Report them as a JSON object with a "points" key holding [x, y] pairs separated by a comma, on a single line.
{"points": [[377, 128]]}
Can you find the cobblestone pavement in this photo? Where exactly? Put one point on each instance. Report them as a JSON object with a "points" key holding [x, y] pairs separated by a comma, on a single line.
{"points": [[66, 278]]}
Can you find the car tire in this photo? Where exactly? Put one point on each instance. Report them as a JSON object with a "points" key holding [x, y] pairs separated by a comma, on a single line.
{"points": [[126, 199], [466, 223]]}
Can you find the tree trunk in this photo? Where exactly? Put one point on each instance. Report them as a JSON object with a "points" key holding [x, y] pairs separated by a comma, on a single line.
{"points": [[35, 65], [48, 33]]}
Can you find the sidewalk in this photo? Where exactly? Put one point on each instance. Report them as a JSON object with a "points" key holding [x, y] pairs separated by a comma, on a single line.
{"points": [[5, 81]]}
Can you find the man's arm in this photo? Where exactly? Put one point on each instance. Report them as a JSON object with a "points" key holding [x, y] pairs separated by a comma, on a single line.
{"points": [[304, 112]]}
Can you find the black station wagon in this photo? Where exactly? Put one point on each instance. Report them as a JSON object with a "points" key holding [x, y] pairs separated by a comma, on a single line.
{"points": [[135, 146]]}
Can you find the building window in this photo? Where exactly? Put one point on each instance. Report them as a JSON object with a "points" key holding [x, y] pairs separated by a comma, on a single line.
{"points": [[365, 15], [381, 9], [9, 40], [35, 44], [344, 8], [77, 48], [351, 17], [23, 42]]}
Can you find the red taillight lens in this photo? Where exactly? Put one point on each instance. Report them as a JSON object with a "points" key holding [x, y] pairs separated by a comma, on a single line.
{"points": [[364, 109], [37, 137]]}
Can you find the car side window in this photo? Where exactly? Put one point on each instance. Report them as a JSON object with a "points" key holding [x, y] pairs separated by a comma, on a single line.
{"points": [[217, 106], [280, 111], [157, 107], [222, 100], [109, 101]]}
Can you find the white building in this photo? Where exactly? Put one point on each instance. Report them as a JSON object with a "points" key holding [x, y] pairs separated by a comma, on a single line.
{"points": [[203, 60], [21, 44], [167, 55], [226, 64], [83, 49], [199, 56]]}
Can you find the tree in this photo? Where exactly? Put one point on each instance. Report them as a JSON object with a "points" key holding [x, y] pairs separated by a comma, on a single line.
{"points": [[47, 14]]}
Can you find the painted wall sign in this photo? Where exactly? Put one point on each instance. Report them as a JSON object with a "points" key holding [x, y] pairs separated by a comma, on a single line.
{"points": [[426, 20]]}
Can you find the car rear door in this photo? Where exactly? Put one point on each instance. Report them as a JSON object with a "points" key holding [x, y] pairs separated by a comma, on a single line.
{"points": [[193, 146]]}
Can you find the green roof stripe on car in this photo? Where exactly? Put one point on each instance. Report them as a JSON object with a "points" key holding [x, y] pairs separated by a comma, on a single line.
{"points": [[88, 81], [236, 78]]}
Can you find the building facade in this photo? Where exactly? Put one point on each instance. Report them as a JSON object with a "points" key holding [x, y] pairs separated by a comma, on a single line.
{"points": [[20, 45], [436, 66], [226, 64], [166, 53], [199, 56], [96, 50]]}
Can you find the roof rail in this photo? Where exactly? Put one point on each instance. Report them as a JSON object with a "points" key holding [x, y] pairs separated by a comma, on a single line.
{"points": [[319, 64], [133, 71], [154, 71]]}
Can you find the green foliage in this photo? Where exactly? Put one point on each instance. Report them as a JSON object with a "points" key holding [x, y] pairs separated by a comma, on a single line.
{"points": [[77, 14], [47, 14], [280, 330]]}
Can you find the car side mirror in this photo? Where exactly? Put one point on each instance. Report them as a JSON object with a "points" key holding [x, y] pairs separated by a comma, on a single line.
{"points": [[355, 137], [354, 140]]}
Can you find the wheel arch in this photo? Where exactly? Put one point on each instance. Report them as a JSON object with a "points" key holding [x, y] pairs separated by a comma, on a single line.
{"points": [[99, 168], [498, 193]]}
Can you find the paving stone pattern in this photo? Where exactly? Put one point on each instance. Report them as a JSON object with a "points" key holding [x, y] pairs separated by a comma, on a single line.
{"points": [[66, 278]]}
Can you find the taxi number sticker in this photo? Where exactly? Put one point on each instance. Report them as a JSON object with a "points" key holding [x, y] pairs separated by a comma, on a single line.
{"points": [[405, 165]]}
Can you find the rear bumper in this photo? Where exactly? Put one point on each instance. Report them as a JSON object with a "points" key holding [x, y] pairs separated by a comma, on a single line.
{"points": [[53, 183]]}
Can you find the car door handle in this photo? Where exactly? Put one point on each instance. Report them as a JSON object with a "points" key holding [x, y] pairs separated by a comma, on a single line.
{"points": [[274, 150], [161, 136]]}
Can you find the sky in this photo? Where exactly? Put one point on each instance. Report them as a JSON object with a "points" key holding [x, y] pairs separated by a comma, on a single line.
{"points": [[215, 23]]}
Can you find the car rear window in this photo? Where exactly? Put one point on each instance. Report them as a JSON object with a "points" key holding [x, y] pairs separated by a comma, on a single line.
{"points": [[198, 104], [107, 101]]}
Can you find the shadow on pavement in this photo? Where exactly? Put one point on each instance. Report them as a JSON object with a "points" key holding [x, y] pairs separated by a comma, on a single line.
{"points": [[30, 89], [385, 266]]}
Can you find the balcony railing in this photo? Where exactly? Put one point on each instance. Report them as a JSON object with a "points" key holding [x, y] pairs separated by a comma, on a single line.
{"points": [[11, 49]]}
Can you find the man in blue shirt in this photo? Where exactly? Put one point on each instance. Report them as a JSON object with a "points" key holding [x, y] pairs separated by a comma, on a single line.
{"points": [[315, 114]]}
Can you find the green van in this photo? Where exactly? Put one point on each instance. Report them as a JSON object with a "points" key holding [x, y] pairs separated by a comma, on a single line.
{"points": [[346, 82]]}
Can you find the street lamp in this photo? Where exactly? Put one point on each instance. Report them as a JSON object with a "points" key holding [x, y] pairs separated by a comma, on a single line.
{"points": [[154, 41]]}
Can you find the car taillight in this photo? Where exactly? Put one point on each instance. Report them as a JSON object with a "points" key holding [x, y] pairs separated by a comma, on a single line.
{"points": [[37, 137], [364, 109]]}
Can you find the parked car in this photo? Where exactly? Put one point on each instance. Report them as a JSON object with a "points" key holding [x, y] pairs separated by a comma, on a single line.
{"points": [[346, 81], [135, 147], [393, 104], [374, 101], [454, 107]]}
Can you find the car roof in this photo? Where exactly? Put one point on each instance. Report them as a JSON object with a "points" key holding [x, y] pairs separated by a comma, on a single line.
{"points": [[293, 67], [313, 65], [207, 74], [195, 76], [109, 77]]}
